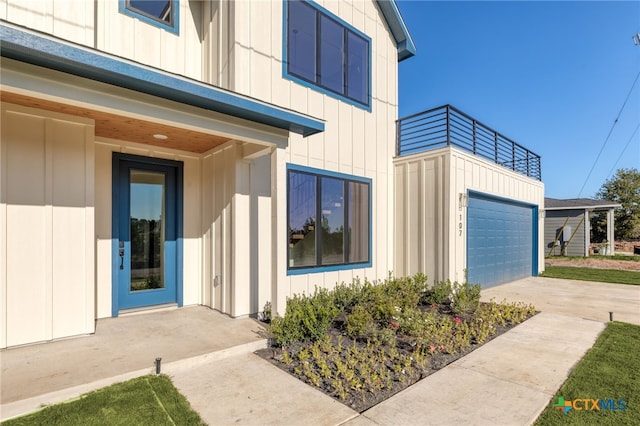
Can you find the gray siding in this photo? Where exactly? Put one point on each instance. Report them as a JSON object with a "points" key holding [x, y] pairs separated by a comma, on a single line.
{"points": [[553, 222]]}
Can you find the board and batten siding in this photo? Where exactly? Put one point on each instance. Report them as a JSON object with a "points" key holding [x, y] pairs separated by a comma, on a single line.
{"points": [[430, 226], [100, 25], [237, 230], [554, 222], [355, 141], [71, 20], [46, 226]]}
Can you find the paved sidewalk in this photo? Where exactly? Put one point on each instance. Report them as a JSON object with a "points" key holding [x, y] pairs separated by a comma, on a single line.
{"points": [[247, 390]]}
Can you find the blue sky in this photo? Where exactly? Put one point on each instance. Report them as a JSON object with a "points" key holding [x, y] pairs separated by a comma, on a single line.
{"points": [[550, 75]]}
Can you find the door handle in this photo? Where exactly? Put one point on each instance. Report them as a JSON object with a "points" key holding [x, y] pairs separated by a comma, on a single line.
{"points": [[121, 258]]}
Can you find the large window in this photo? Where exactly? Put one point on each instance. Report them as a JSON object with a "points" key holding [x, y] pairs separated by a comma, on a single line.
{"points": [[161, 13], [327, 53], [329, 220]]}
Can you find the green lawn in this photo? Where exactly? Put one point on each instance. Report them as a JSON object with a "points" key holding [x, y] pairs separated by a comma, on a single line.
{"points": [[609, 371], [147, 400], [592, 274]]}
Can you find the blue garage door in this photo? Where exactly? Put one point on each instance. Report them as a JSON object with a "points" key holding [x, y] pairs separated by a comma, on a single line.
{"points": [[501, 240]]}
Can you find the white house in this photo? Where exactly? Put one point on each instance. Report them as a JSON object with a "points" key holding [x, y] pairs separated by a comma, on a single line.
{"points": [[218, 153], [191, 152]]}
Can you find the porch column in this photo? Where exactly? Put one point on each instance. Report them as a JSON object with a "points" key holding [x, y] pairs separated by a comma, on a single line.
{"points": [[241, 240], [587, 231], [610, 233], [279, 230]]}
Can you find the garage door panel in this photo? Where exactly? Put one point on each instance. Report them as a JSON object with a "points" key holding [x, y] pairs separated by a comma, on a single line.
{"points": [[499, 240]]}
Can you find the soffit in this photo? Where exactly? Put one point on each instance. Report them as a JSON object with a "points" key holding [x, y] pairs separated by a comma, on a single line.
{"points": [[114, 126]]}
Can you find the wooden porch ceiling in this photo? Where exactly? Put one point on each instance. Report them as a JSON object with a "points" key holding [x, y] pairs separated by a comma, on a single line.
{"points": [[123, 128]]}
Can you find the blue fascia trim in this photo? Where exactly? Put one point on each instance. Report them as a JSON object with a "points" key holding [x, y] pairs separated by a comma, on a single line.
{"points": [[42, 51], [175, 10], [404, 41], [486, 196], [285, 61], [535, 224], [115, 226], [348, 266], [179, 234], [328, 173]]}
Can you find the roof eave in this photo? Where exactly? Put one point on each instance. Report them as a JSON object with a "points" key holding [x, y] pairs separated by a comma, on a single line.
{"points": [[42, 50], [598, 207], [406, 46]]}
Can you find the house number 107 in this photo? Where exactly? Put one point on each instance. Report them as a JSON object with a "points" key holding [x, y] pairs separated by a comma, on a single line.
{"points": [[460, 226]]}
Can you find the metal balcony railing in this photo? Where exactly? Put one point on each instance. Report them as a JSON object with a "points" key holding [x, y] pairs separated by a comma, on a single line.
{"points": [[448, 126]]}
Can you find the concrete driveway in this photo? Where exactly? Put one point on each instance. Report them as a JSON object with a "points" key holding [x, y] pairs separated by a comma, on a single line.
{"points": [[580, 299]]}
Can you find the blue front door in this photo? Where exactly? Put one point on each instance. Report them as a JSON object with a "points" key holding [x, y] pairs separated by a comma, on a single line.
{"points": [[147, 232]]}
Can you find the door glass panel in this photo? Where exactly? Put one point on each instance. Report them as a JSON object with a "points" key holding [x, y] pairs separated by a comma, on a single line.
{"points": [[147, 230]]}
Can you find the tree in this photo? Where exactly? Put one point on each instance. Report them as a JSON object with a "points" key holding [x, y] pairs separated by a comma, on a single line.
{"points": [[624, 188]]}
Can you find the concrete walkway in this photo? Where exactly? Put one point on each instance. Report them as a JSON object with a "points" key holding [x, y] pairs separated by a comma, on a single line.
{"points": [[507, 381], [122, 348]]}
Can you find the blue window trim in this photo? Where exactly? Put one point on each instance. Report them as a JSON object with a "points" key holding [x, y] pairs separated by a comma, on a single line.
{"points": [[343, 176], [117, 157], [535, 222], [317, 88], [46, 51], [175, 18]]}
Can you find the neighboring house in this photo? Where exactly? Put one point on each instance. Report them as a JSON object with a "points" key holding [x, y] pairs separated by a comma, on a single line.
{"points": [[230, 154], [180, 152], [568, 226]]}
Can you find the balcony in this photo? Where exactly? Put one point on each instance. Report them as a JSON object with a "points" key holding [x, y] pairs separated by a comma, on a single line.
{"points": [[447, 126]]}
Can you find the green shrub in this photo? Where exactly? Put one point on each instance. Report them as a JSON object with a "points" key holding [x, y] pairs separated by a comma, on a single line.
{"points": [[407, 292], [384, 336], [381, 304], [346, 296], [465, 298], [504, 313], [415, 323], [386, 299], [439, 293], [306, 318], [359, 322]]}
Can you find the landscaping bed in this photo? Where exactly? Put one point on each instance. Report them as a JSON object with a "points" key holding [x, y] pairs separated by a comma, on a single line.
{"points": [[361, 343]]}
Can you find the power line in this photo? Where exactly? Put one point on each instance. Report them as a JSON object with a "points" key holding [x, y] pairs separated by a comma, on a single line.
{"points": [[623, 150], [610, 131]]}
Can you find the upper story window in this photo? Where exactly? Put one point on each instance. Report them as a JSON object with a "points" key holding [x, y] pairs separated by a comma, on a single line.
{"points": [[161, 13], [327, 53]]}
